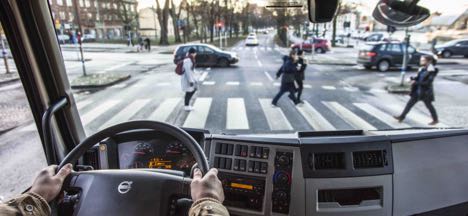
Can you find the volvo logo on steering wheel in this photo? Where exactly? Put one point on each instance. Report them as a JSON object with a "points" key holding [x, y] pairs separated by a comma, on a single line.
{"points": [[124, 187]]}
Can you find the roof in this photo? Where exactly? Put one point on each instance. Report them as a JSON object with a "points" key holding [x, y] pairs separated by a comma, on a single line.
{"points": [[447, 20]]}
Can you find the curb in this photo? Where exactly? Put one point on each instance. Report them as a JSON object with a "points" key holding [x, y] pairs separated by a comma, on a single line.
{"points": [[9, 81], [397, 89], [332, 63], [81, 87]]}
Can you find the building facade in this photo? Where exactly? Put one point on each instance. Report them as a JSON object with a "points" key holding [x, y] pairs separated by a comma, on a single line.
{"points": [[104, 19]]}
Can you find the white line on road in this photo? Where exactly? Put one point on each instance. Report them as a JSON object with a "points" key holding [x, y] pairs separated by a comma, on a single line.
{"points": [[350, 89], [326, 87], [259, 63], [98, 111], [9, 87], [413, 115], [115, 67], [126, 113], [378, 114], [236, 114], [82, 104], [314, 118], [348, 116], [307, 86], [256, 84], [233, 83], [209, 83], [378, 91], [203, 76], [276, 84], [268, 76], [197, 117], [274, 115], [163, 84], [165, 109], [121, 85]]}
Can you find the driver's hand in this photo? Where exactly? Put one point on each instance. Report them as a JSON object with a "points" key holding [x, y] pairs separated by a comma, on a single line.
{"points": [[208, 186], [48, 184]]}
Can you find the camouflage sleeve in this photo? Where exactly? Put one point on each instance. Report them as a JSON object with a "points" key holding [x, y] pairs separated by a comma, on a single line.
{"points": [[208, 207], [25, 204]]}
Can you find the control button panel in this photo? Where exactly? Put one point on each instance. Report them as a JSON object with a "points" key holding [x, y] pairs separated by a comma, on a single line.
{"points": [[241, 158], [281, 194], [245, 192]]}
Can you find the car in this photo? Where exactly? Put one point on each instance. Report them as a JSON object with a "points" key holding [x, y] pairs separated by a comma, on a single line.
{"points": [[385, 55], [63, 38], [265, 31], [88, 38], [252, 34], [320, 45], [207, 55], [452, 48], [251, 41]]}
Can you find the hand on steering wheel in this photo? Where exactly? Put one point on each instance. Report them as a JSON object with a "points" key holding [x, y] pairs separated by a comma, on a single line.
{"points": [[208, 186]]}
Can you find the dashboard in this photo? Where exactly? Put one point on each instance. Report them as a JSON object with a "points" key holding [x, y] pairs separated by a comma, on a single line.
{"points": [[314, 173]]}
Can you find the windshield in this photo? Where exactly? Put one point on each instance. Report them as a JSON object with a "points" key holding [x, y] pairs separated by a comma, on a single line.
{"points": [[122, 61]]}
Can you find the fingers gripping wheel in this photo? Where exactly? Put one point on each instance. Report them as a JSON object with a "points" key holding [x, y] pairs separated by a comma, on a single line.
{"points": [[129, 192]]}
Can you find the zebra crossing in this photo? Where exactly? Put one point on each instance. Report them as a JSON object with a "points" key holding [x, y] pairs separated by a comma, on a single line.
{"points": [[237, 117]]}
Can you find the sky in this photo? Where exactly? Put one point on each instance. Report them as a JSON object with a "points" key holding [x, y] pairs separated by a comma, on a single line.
{"points": [[446, 7]]}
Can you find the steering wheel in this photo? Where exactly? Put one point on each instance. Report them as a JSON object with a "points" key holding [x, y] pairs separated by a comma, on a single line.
{"points": [[129, 192]]}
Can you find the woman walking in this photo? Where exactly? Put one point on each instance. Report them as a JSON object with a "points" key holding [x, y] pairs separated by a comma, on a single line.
{"points": [[188, 80], [288, 72], [422, 89]]}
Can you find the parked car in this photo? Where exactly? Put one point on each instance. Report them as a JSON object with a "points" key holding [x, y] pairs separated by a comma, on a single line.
{"points": [[88, 38], [251, 41], [385, 55], [320, 45], [207, 55], [63, 38], [451, 48]]}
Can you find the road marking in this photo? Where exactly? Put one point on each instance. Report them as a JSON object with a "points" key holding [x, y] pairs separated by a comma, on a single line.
{"points": [[351, 89], [82, 104], [413, 115], [274, 115], [314, 118], [236, 114], [198, 116], [382, 116], [122, 85], [9, 87], [164, 109], [203, 76], [276, 84], [126, 113], [326, 87], [115, 67], [209, 83], [307, 86], [232, 83], [348, 116], [268, 76], [98, 111], [259, 63], [379, 91], [30, 127], [163, 84], [256, 84]]}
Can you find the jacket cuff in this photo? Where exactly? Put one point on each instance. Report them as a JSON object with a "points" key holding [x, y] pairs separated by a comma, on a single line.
{"points": [[208, 206], [43, 203]]}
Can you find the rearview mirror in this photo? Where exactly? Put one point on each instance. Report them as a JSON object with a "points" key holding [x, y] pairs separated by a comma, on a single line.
{"points": [[322, 10], [400, 13]]}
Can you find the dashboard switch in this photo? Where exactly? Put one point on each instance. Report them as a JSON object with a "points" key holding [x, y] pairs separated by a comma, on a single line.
{"points": [[251, 166], [263, 167], [222, 163], [257, 167], [242, 165], [224, 148], [216, 162], [237, 151], [228, 163], [236, 165], [265, 153], [218, 148], [244, 151], [253, 150], [230, 149], [258, 152]]}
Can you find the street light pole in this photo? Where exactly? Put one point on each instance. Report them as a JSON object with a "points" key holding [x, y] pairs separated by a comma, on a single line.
{"points": [[77, 17], [405, 58]]}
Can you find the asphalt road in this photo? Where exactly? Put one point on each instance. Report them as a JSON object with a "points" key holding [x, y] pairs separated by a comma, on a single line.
{"points": [[234, 100]]}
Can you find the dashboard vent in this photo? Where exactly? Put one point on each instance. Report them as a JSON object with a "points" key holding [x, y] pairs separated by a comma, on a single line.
{"points": [[91, 158], [369, 159], [329, 160]]}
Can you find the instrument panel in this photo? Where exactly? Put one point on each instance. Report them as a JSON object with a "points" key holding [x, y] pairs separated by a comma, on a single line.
{"points": [[155, 153]]}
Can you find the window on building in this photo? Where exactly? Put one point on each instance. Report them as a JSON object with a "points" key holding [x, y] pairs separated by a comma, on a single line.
{"points": [[69, 3], [62, 15], [71, 16], [96, 5], [60, 2], [87, 3]]}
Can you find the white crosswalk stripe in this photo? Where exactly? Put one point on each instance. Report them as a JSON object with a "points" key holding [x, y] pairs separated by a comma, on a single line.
{"points": [[274, 115], [256, 84], [165, 109], [380, 115], [126, 113], [197, 118], [413, 115], [209, 83], [348, 116], [307, 86], [232, 83], [82, 104], [98, 111], [326, 87], [314, 118], [351, 89], [236, 116]]}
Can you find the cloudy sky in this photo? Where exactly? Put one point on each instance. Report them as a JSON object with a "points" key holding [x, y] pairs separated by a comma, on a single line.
{"points": [[446, 7]]}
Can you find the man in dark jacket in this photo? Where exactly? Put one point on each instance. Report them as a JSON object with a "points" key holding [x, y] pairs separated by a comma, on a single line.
{"points": [[300, 75], [422, 89], [288, 72]]}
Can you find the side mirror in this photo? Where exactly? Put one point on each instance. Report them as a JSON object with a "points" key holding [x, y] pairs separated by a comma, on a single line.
{"points": [[322, 10], [400, 13]]}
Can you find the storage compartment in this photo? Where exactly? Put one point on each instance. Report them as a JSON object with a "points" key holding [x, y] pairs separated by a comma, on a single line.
{"points": [[355, 196]]}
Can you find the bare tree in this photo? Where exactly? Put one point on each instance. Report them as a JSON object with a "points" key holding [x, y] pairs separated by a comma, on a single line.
{"points": [[163, 18], [127, 13]]}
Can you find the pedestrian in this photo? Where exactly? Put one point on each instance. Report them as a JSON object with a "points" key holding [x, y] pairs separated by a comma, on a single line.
{"points": [[287, 72], [129, 40], [188, 80], [148, 44], [422, 88], [140, 44], [300, 75]]}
